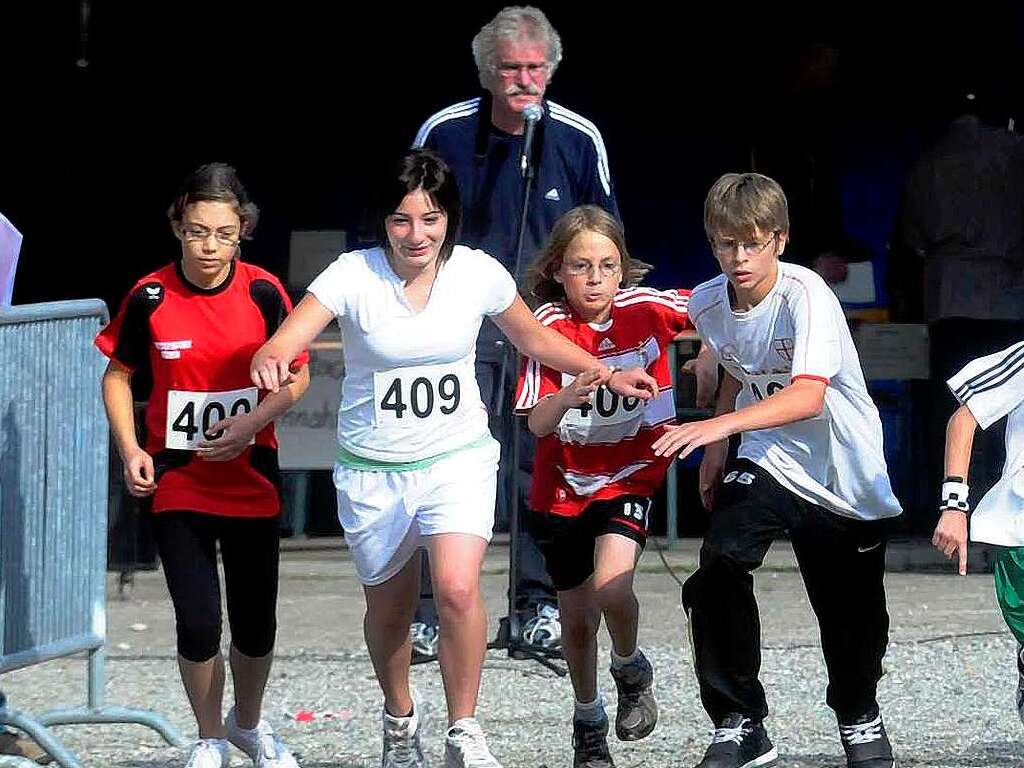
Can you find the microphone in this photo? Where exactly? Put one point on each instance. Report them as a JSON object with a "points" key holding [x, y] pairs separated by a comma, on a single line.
{"points": [[532, 113]]}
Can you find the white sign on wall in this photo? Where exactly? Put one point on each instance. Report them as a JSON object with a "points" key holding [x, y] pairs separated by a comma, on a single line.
{"points": [[308, 431]]}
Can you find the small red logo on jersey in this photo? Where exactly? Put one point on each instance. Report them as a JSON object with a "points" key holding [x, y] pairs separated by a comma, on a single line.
{"points": [[784, 347], [561, 495]]}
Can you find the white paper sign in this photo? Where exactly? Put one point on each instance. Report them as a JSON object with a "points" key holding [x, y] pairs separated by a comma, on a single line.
{"points": [[307, 432], [859, 285], [10, 247]]}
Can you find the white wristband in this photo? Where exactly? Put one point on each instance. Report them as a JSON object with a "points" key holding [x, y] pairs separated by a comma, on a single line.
{"points": [[954, 496]]}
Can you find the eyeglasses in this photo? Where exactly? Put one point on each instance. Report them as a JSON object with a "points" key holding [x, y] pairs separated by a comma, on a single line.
{"points": [[727, 246], [193, 233], [534, 69], [579, 268]]}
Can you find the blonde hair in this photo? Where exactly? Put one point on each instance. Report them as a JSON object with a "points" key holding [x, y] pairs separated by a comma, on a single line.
{"points": [[738, 204], [540, 277]]}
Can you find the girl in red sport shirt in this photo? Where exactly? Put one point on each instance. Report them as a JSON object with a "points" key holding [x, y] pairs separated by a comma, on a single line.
{"points": [[209, 459], [594, 472]]}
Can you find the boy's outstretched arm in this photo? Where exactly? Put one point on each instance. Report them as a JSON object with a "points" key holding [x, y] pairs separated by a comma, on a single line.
{"points": [[950, 536], [804, 398]]}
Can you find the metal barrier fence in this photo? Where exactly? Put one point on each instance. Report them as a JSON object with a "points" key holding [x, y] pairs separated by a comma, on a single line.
{"points": [[53, 508]]}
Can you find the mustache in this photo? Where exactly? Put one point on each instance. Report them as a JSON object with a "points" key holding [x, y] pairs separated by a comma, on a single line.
{"points": [[527, 90]]}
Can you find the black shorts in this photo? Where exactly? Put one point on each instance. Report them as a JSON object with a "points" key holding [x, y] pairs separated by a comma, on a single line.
{"points": [[567, 543]]}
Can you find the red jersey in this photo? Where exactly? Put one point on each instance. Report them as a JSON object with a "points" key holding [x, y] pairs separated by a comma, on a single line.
{"points": [[602, 449], [199, 344]]}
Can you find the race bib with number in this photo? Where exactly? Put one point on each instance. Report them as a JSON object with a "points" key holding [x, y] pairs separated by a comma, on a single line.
{"points": [[605, 409], [190, 414], [412, 396], [766, 385]]}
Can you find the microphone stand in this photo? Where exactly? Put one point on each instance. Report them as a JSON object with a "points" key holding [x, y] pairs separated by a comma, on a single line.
{"points": [[510, 637]]}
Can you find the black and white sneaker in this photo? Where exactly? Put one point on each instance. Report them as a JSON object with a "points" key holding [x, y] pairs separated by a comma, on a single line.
{"points": [[739, 743], [1020, 683], [866, 743], [590, 745], [424, 642], [637, 711]]}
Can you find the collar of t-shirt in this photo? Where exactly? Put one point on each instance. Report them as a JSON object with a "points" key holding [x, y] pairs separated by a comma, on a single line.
{"points": [[758, 309], [190, 286]]}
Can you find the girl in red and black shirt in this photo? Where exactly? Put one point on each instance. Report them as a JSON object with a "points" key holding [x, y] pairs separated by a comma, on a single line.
{"points": [[210, 455]]}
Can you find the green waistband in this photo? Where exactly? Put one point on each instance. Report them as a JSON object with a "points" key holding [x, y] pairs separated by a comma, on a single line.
{"points": [[350, 460]]}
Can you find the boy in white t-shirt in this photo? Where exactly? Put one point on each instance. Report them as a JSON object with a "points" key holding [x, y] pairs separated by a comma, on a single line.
{"points": [[988, 389], [810, 467]]}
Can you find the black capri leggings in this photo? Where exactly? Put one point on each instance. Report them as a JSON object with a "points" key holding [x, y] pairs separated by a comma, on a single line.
{"points": [[187, 542]]}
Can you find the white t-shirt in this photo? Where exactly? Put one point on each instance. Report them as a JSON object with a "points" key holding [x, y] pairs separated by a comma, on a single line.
{"points": [[992, 387], [410, 389], [834, 460]]}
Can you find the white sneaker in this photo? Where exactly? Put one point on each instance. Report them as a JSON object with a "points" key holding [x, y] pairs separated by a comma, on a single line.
{"points": [[466, 747], [260, 744], [210, 753], [402, 748]]}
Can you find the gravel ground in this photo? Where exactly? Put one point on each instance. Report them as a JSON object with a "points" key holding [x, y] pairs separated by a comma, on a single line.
{"points": [[947, 696]]}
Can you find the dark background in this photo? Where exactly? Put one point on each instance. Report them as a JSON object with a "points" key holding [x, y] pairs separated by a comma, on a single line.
{"points": [[305, 101]]}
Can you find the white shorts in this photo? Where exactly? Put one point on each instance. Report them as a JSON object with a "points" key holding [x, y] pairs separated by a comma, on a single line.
{"points": [[385, 515]]}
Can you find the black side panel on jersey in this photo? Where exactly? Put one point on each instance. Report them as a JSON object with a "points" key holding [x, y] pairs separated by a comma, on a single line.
{"points": [[170, 458], [264, 460], [270, 303], [133, 337]]}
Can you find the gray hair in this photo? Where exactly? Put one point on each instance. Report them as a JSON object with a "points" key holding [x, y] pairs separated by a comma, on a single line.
{"points": [[514, 23]]}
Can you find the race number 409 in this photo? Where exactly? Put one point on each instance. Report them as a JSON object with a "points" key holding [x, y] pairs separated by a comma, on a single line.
{"points": [[191, 414], [405, 397]]}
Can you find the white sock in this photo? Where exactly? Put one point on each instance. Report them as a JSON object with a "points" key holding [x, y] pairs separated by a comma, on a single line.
{"points": [[621, 661], [590, 711], [401, 717]]}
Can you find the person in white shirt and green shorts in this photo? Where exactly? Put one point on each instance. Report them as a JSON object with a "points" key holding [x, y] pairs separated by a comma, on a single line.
{"points": [[988, 389]]}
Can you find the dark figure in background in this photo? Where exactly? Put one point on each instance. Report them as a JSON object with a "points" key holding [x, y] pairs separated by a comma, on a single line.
{"points": [[957, 262], [797, 152]]}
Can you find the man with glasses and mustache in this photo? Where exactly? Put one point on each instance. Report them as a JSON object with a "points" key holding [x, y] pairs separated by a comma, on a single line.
{"points": [[482, 139]]}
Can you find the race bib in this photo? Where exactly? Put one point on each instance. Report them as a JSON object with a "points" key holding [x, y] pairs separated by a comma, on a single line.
{"points": [[606, 408], [412, 396], [190, 414], [766, 385]]}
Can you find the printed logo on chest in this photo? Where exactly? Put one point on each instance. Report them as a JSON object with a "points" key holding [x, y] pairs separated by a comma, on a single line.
{"points": [[171, 350]]}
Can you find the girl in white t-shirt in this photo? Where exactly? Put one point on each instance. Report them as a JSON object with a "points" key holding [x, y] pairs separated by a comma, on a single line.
{"points": [[416, 465]]}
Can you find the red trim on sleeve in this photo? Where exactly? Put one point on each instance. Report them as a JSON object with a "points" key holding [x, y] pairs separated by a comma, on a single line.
{"points": [[822, 379]]}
